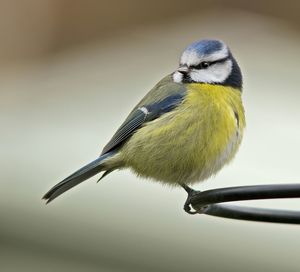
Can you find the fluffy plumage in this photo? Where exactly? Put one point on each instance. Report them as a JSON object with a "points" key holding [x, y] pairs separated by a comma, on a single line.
{"points": [[184, 130], [191, 142]]}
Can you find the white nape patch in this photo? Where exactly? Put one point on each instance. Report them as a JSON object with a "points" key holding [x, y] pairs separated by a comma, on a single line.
{"points": [[215, 73], [177, 77]]}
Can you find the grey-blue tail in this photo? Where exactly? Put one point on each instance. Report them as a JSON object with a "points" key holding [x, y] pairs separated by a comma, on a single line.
{"points": [[79, 176]]}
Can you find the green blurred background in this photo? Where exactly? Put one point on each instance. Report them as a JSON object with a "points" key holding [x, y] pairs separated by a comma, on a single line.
{"points": [[70, 71]]}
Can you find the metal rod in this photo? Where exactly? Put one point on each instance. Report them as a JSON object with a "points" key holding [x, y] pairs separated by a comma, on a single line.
{"points": [[207, 202], [253, 214]]}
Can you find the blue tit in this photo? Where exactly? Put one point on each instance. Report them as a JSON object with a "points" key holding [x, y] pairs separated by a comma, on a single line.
{"points": [[184, 130]]}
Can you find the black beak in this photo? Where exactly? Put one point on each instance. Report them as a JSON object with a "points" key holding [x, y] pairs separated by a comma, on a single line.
{"points": [[183, 70]]}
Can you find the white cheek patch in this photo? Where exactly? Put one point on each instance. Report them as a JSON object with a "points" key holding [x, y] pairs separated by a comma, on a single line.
{"points": [[217, 73], [177, 77]]}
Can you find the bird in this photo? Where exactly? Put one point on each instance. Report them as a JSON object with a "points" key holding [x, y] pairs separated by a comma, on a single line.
{"points": [[186, 128]]}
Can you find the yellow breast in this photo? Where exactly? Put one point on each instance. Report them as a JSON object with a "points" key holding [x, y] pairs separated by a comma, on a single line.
{"points": [[193, 141]]}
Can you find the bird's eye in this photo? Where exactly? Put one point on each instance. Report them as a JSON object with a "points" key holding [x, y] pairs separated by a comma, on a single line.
{"points": [[202, 65]]}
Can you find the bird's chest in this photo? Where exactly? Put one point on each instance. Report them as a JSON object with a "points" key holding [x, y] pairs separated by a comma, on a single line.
{"points": [[210, 113], [212, 130], [189, 143]]}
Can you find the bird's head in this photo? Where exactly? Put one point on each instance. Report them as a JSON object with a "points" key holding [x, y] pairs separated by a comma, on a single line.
{"points": [[208, 61]]}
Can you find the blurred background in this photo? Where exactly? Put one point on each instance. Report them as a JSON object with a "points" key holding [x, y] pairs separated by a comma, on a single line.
{"points": [[70, 71]]}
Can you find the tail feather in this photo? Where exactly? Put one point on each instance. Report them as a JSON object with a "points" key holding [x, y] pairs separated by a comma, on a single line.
{"points": [[79, 176], [105, 174]]}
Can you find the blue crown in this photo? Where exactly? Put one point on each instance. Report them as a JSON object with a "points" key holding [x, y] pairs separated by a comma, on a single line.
{"points": [[205, 47]]}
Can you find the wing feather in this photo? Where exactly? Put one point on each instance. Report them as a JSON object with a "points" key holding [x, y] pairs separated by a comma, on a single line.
{"points": [[164, 97], [125, 130]]}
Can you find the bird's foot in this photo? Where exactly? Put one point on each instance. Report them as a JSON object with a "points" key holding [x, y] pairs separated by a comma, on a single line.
{"points": [[187, 205]]}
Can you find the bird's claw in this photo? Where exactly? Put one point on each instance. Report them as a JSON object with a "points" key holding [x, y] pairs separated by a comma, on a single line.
{"points": [[187, 208], [187, 204]]}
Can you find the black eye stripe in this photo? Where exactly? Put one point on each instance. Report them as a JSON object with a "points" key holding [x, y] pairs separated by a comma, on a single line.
{"points": [[205, 64], [219, 61]]}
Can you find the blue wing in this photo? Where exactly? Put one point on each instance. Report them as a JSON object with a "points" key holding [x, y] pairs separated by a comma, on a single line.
{"points": [[141, 115], [164, 97]]}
